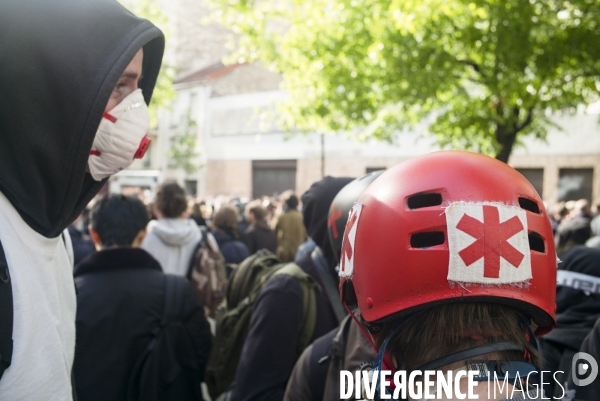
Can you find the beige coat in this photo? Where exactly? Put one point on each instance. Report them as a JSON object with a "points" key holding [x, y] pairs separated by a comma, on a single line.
{"points": [[290, 230]]}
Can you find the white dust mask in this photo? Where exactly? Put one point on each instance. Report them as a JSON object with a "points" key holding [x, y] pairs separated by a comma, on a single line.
{"points": [[122, 137]]}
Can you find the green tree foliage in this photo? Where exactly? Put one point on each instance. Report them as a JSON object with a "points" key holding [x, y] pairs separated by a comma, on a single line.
{"points": [[163, 93], [483, 72], [183, 152]]}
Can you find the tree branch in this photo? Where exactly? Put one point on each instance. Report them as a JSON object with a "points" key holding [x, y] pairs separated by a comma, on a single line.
{"points": [[528, 119], [470, 63]]}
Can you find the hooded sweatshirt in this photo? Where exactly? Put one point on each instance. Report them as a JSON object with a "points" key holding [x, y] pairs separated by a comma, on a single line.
{"points": [[576, 313], [60, 62], [172, 242], [316, 203], [269, 352]]}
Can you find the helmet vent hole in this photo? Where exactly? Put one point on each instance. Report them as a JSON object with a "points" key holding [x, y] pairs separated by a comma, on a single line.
{"points": [[424, 200], [536, 242], [530, 205], [426, 240]]}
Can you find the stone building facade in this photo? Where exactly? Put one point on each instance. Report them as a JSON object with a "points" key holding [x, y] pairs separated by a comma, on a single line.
{"points": [[243, 154]]}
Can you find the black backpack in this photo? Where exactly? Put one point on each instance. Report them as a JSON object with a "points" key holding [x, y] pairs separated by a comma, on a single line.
{"points": [[6, 314], [168, 369]]}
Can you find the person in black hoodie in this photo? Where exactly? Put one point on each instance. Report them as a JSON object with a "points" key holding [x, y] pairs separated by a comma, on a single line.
{"points": [[577, 309], [120, 302], [71, 114], [270, 349], [586, 392]]}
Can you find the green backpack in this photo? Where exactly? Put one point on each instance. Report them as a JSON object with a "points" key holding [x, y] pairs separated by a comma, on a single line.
{"points": [[233, 324]]}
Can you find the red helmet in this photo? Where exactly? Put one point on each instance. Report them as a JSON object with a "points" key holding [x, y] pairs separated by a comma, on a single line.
{"points": [[449, 226]]}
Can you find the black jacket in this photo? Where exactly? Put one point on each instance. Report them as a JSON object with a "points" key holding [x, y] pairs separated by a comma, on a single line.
{"points": [[590, 345], [82, 246], [576, 313], [119, 303], [260, 236], [269, 353], [233, 250]]}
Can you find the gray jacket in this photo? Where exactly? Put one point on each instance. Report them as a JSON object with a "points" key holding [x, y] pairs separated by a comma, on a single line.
{"points": [[172, 242]]}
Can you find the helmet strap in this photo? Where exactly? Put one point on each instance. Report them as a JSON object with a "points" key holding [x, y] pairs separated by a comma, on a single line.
{"points": [[470, 353], [510, 368]]}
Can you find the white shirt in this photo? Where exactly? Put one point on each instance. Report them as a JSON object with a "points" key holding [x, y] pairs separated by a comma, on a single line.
{"points": [[44, 305]]}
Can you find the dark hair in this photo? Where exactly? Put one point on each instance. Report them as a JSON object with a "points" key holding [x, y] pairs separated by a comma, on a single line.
{"points": [[226, 220], [255, 207], [292, 202], [118, 219], [170, 200], [448, 328]]}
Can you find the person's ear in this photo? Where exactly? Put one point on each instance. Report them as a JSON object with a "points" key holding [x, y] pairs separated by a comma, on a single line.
{"points": [[95, 237], [139, 238]]}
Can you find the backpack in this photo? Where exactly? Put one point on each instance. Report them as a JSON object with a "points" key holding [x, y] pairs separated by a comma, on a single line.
{"points": [[6, 314], [233, 324], [168, 367], [207, 273]]}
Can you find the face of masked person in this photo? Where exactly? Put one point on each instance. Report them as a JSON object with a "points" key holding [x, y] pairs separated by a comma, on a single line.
{"points": [[122, 134]]}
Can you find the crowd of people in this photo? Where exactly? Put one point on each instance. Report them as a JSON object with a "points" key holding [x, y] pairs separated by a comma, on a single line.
{"points": [[309, 233], [446, 262]]}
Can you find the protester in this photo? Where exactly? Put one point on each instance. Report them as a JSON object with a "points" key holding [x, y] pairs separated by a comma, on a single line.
{"points": [[577, 309], [65, 64], [594, 241], [290, 230], [559, 213], [259, 235], [121, 297], [430, 294], [316, 375], [304, 249], [576, 230], [591, 346], [80, 239], [270, 349], [196, 213], [271, 207], [173, 237], [243, 224], [225, 231]]}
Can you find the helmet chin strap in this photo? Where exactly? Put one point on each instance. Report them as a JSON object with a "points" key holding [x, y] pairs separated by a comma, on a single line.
{"points": [[512, 369]]}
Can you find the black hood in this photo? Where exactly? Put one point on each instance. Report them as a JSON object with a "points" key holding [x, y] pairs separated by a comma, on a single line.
{"points": [[315, 207], [60, 62], [576, 312]]}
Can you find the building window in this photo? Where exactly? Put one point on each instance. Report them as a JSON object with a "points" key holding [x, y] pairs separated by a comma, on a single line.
{"points": [[535, 176], [373, 169], [191, 187], [272, 177], [575, 183]]}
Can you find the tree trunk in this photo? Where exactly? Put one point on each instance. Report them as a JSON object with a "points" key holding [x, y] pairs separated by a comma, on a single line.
{"points": [[506, 140], [506, 135]]}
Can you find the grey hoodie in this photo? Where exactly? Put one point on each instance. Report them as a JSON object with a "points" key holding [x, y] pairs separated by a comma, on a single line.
{"points": [[172, 242]]}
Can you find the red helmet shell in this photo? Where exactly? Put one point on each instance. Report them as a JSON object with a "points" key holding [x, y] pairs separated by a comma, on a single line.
{"points": [[405, 255]]}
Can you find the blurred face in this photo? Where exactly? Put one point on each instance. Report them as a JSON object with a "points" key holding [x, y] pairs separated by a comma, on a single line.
{"points": [[128, 82]]}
